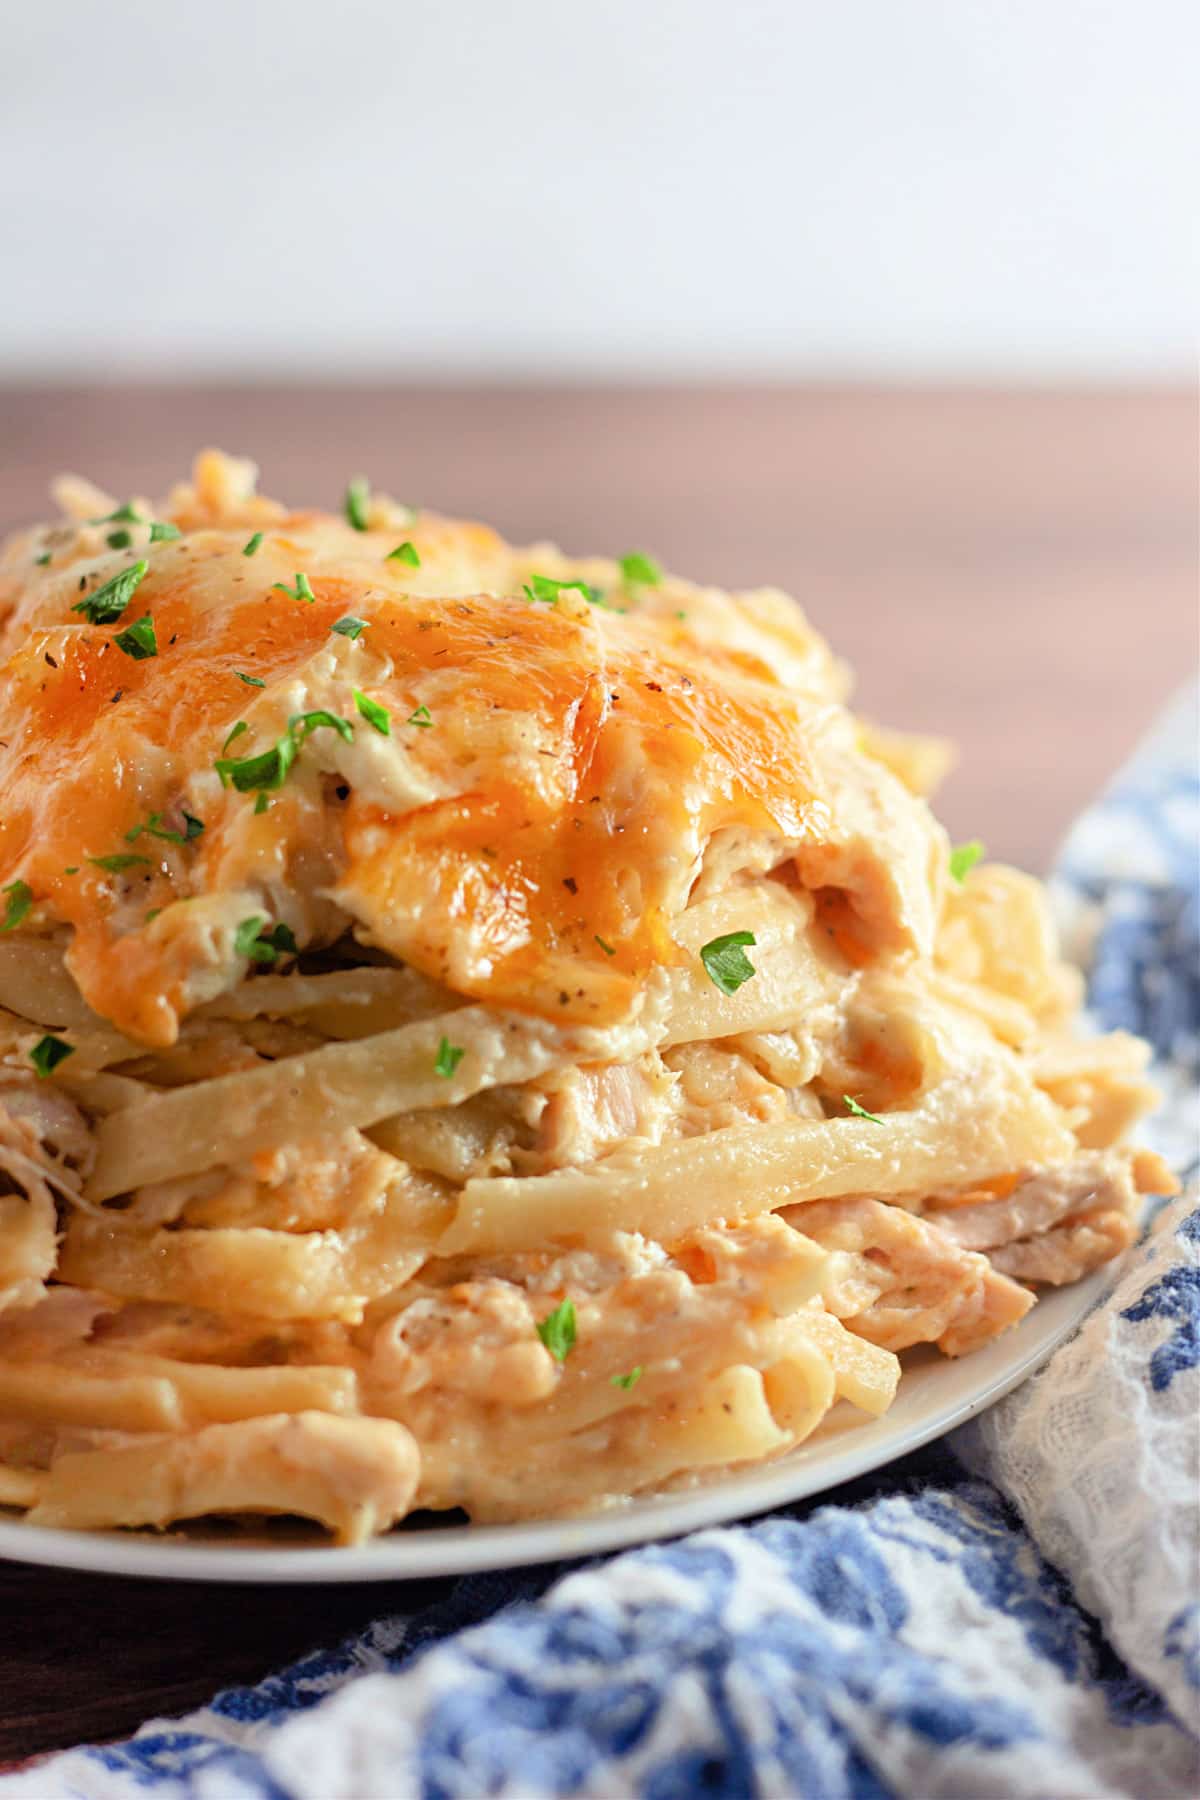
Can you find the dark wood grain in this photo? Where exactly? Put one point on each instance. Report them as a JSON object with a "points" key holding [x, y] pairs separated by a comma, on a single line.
{"points": [[1018, 570], [88, 1658]]}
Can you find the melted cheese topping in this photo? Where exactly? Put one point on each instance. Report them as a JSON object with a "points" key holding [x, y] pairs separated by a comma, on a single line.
{"points": [[526, 831]]}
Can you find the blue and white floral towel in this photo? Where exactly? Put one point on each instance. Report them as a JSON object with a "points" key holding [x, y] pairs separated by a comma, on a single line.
{"points": [[1012, 1613]]}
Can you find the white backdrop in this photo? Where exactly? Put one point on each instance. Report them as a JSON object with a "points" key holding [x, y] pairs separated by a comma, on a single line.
{"points": [[841, 187]]}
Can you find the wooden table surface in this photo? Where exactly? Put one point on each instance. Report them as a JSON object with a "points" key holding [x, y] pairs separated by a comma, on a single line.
{"points": [[1017, 570]]}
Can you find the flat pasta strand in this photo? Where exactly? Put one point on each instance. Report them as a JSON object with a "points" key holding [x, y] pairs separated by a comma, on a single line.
{"points": [[963, 1131]]}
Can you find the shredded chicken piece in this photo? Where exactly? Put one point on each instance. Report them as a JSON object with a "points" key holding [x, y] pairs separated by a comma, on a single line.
{"points": [[1069, 1251], [66, 1146], [720, 1087], [1096, 1183], [478, 1338], [28, 1217], [594, 1108], [903, 1281], [312, 1186]]}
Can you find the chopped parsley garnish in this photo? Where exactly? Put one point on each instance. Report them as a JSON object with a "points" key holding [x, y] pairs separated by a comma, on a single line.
{"points": [[154, 827], [261, 804], [422, 718], [726, 961], [358, 499], [637, 567], [860, 1112], [48, 1052], [120, 539], [138, 640], [963, 859], [107, 604], [116, 865], [124, 515], [448, 1058], [544, 589], [349, 627], [607, 948], [43, 559], [270, 768], [301, 591], [373, 713], [557, 1331], [20, 899], [307, 723], [250, 680], [627, 1381], [267, 770], [406, 553], [162, 531], [261, 946], [252, 544]]}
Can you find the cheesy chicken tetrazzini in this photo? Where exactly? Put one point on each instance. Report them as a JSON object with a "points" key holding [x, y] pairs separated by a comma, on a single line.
{"points": [[486, 1030]]}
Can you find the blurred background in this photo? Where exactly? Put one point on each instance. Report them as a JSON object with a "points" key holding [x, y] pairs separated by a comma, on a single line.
{"points": [[892, 305]]}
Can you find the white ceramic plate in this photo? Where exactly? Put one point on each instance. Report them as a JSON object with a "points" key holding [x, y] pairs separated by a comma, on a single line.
{"points": [[934, 1396]]}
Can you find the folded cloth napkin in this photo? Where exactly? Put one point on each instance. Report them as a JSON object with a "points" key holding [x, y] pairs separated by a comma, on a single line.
{"points": [[1011, 1613]]}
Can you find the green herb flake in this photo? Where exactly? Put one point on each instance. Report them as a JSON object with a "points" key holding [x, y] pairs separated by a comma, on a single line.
{"points": [[377, 716], [117, 865], [726, 961], [262, 804], [406, 553], [43, 559], [349, 627], [639, 568], [422, 718], [860, 1112], [154, 827], [627, 1381], [162, 531], [557, 1331], [251, 545], [607, 948], [301, 591], [250, 680], [47, 1053], [307, 723], [20, 899], [448, 1058], [247, 940], [120, 539], [963, 859], [149, 917], [106, 605], [124, 515], [261, 946], [138, 640], [267, 770], [358, 499], [236, 732], [544, 591]]}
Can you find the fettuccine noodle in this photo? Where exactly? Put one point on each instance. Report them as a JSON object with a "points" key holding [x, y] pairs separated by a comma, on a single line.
{"points": [[486, 1030]]}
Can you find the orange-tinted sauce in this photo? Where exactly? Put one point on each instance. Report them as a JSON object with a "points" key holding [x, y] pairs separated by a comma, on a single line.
{"points": [[652, 750]]}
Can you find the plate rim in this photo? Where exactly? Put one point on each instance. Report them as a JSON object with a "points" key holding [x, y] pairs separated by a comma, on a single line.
{"points": [[804, 1473]]}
